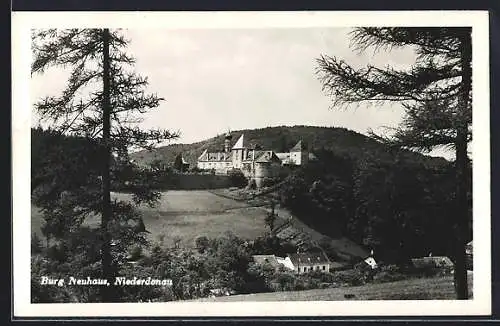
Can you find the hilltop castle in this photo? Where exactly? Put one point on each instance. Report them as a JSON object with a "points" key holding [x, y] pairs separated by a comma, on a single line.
{"points": [[254, 162]]}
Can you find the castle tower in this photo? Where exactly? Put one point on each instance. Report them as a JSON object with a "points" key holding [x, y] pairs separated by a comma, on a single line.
{"points": [[227, 142], [299, 154], [237, 152]]}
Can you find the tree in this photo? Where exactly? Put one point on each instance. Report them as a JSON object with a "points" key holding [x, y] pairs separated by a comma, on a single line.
{"points": [[271, 218], [99, 104], [178, 163], [436, 96]]}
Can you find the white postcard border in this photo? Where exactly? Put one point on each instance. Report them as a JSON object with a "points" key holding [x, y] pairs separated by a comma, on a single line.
{"points": [[22, 22]]}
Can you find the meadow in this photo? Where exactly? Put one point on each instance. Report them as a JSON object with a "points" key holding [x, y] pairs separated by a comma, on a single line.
{"points": [[435, 288], [188, 214]]}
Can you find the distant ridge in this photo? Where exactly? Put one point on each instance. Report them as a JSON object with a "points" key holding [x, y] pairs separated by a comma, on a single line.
{"points": [[280, 139]]}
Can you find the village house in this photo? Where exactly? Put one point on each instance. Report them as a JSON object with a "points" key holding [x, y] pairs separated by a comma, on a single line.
{"points": [[441, 263], [469, 255], [273, 261], [254, 162], [310, 261]]}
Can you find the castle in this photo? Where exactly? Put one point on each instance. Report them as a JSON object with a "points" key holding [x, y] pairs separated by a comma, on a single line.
{"points": [[255, 163]]}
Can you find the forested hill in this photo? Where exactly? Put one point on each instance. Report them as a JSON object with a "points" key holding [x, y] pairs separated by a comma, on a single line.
{"points": [[281, 139]]}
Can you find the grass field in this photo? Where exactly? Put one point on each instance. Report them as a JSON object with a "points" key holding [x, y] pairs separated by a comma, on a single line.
{"points": [[189, 214], [436, 288]]}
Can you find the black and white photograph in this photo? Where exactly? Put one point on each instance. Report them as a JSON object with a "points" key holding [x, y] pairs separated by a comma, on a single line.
{"points": [[251, 163]]}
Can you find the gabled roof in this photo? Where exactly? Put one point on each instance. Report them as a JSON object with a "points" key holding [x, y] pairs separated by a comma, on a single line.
{"points": [[267, 157], [214, 156], [309, 258], [203, 156], [298, 147], [239, 143]]}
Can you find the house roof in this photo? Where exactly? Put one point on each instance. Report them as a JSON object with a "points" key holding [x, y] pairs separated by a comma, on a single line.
{"points": [[266, 259], [437, 261], [309, 258], [285, 262]]}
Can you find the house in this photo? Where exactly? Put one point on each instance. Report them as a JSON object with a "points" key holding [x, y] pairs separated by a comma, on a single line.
{"points": [[370, 261], [444, 264], [310, 261], [254, 162], [468, 248], [273, 261]]}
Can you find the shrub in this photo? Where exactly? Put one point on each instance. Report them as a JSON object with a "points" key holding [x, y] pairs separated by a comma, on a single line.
{"points": [[237, 178], [135, 252], [201, 243], [268, 182], [351, 277], [389, 273]]}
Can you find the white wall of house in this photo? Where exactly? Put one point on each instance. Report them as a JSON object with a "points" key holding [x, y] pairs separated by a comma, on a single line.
{"points": [[306, 268]]}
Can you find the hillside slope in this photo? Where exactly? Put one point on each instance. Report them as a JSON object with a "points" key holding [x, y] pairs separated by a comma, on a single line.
{"points": [[280, 139]]}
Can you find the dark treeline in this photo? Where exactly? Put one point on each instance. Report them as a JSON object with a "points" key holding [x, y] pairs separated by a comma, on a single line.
{"points": [[394, 204], [279, 139]]}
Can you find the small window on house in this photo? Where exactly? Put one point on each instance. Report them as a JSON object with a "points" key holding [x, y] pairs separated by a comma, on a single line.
{"points": [[324, 267]]}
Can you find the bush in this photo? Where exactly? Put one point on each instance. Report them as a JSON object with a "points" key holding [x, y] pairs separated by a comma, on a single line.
{"points": [[237, 178], [351, 277], [201, 243], [135, 252], [268, 182], [389, 273]]}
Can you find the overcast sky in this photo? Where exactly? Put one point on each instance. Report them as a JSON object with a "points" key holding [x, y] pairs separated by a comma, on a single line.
{"points": [[219, 79]]}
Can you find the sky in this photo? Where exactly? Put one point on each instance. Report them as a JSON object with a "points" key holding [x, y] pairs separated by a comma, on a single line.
{"points": [[215, 80]]}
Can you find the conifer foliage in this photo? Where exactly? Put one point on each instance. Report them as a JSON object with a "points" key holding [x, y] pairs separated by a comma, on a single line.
{"points": [[100, 105], [435, 93]]}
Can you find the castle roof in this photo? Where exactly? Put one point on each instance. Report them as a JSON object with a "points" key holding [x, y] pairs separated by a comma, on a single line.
{"points": [[215, 156], [298, 147], [240, 143], [267, 157], [203, 155]]}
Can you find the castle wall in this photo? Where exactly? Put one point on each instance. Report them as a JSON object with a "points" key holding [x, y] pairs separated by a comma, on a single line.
{"points": [[265, 170]]}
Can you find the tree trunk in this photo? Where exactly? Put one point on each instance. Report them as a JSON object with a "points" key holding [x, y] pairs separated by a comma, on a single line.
{"points": [[462, 169], [107, 291]]}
